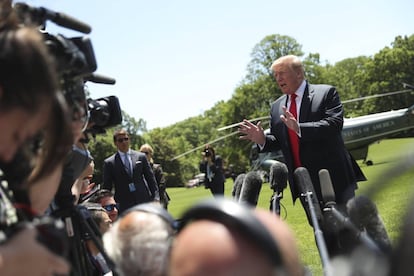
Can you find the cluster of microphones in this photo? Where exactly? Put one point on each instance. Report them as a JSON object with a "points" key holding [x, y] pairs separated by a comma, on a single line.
{"points": [[360, 217]]}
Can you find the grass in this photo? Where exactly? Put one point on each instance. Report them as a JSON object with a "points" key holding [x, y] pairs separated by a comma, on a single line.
{"points": [[391, 199]]}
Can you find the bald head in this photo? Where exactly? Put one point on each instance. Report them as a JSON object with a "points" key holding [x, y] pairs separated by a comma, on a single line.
{"points": [[210, 248], [138, 243], [206, 247]]}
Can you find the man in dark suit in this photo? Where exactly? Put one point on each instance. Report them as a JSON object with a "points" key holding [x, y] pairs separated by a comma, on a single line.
{"points": [[130, 174], [317, 133]]}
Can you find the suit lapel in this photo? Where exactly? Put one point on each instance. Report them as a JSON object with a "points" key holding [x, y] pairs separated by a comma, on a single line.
{"points": [[285, 100], [306, 102]]}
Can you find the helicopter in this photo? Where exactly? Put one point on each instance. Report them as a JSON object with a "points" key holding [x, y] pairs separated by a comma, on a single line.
{"points": [[358, 132]]}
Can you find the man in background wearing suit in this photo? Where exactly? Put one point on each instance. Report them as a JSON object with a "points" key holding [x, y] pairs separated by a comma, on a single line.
{"points": [[130, 174], [310, 117]]}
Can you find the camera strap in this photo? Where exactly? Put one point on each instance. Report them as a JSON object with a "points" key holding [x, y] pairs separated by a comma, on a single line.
{"points": [[8, 213]]}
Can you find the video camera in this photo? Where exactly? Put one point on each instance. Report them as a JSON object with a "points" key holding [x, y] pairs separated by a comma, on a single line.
{"points": [[76, 64]]}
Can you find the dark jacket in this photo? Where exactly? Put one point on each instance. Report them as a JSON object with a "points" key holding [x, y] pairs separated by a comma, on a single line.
{"points": [[115, 176], [216, 182], [321, 143]]}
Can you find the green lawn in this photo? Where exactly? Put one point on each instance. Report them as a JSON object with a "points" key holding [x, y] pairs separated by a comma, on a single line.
{"points": [[391, 199]]}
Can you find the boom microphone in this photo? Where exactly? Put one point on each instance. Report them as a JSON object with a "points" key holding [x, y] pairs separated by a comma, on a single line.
{"points": [[250, 189], [278, 176], [43, 14], [96, 78], [364, 214], [238, 182]]}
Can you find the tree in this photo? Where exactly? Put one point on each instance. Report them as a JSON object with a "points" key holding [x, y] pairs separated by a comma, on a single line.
{"points": [[101, 147], [387, 72], [268, 50], [348, 76]]}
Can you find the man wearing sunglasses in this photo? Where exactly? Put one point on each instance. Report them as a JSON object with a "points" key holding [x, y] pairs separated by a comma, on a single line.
{"points": [[129, 174], [106, 199]]}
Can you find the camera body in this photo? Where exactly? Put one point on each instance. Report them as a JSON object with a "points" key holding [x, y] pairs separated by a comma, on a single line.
{"points": [[207, 153], [104, 112], [75, 63]]}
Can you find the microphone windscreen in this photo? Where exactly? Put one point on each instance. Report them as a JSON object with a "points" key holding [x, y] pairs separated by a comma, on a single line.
{"points": [[361, 210], [304, 183], [328, 193], [238, 182], [303, 180], [278, 176], [364, 214], [250, 189]]}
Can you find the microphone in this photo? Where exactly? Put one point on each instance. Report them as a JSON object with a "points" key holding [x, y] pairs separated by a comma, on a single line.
{"points": [[61, 19], [278, 182], [332, 216], [96, 78], [250, 189], [278, 176], [304, 182], [238, 182], [336, 219], [328, 194], [313, 210], [364, 214]]}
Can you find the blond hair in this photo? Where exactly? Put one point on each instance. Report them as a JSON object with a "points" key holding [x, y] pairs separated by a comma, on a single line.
{"points": [[147, 148]]}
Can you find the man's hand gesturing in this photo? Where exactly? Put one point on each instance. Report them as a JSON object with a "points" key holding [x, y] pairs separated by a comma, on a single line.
{"points": [[252, 132]]}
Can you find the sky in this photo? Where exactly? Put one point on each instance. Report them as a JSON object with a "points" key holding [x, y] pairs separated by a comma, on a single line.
{"points": [[175, 59]]}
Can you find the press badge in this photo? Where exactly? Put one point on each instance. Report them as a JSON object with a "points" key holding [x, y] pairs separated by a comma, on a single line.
{"points": [[132, 187]]}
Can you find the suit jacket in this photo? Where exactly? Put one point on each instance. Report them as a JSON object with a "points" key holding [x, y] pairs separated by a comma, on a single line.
{"points": [[116, 176], [321, 145]]}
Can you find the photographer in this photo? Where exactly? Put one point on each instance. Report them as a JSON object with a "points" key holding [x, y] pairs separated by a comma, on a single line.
{"points": [[30, 107], [212, 167]]}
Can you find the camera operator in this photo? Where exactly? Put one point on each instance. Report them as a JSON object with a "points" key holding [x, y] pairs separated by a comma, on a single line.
{"points": [[45, 190], [30, 107], [212, 167], [63, 118]]}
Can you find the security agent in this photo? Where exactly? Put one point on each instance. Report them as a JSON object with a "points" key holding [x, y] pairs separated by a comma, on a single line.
{"points": [[129, 173]]}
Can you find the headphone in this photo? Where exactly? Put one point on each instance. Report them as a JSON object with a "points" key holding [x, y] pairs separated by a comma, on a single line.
{"points": [[153, 209], [235, 215]]}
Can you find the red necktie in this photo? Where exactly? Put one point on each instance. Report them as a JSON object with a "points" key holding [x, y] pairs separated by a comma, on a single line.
{"points": [[293, 137]]}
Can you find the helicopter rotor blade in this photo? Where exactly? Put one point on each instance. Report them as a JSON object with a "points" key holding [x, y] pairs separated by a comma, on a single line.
{"points": [[200, 147], [377, 96], [405, 85], [239, 123]]}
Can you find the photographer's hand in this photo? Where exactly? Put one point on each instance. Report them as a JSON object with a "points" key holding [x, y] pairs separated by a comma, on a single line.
{"points": [[24, 255]]}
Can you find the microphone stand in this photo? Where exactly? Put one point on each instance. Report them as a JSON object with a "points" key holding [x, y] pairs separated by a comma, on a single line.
{"points": [[320, 241], [345, 221], [275, 202]]}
